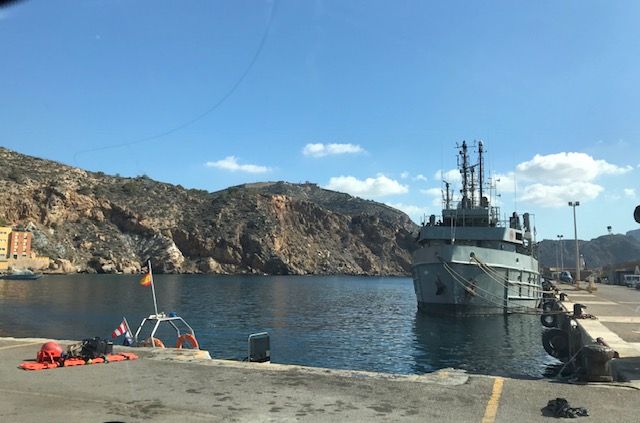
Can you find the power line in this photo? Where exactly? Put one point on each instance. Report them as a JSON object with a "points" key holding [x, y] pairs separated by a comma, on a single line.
{"points": [[211, 109]]}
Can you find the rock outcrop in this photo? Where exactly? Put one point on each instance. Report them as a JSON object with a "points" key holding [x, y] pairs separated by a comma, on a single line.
{"points": [[92, 222]]}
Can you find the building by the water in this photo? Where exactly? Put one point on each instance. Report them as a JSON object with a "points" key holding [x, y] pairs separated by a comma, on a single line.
{"points": [[15, 246]]}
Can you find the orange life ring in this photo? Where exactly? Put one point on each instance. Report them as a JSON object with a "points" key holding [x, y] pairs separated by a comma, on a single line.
{"points": [[187, 337], [153, 342]]}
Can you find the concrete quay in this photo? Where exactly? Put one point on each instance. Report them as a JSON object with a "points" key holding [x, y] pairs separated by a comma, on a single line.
{"points": [[617, 321], [182, 385]]}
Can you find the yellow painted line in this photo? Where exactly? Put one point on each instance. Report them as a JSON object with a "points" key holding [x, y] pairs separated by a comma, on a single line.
{"points": [[492, 405], [8, 347]]}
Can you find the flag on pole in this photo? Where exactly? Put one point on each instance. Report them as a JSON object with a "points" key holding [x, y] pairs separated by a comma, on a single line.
{"points": [[122, 328], [146, 279]]}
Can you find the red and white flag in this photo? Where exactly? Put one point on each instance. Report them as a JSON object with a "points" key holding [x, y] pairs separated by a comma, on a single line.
{"points": [[122, 328]]}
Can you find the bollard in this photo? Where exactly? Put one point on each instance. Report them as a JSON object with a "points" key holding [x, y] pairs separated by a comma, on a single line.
{"points": [[577, 310], [596, 359], [563, 296]]}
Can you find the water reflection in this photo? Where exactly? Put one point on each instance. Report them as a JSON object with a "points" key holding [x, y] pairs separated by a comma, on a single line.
{"points": [[337, 322], [499, 345]]}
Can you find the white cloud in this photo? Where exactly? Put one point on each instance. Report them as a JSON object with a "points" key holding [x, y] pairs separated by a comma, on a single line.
{"points": [[435, 194], [418, 177], [558, 195], [371, 187], [452, 175], [416, 213], [231, 163], [505, 182], [321, 150], [555, 179], [566, 168], [630, 192]]}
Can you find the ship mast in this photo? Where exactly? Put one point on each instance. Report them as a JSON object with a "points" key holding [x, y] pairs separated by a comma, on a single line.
{"points": [[464, 171], [480, 166], [473, 185], [448, 197]]}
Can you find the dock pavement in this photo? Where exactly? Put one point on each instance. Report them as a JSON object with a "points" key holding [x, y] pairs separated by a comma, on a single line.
{"points": [[167, 385], [616, 311]]}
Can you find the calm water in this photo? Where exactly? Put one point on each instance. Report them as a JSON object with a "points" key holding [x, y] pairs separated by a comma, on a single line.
{"points": [[363, 323]]}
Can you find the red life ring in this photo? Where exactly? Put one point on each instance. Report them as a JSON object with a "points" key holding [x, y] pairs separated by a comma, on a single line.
{"points": [[153, 342], [187, 337]]}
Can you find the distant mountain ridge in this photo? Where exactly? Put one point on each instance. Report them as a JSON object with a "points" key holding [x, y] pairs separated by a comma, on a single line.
{"points": [[89, 221], [598, 252]]}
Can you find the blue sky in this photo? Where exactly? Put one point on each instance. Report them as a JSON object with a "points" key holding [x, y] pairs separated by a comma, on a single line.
{"points": [[364, 97]]}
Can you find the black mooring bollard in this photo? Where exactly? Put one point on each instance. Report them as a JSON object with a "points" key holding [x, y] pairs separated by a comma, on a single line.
{"points": [[596, 363], [577, 310]]}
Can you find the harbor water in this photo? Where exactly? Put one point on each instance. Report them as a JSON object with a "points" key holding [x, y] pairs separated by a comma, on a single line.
{"points": [[360, 323]]}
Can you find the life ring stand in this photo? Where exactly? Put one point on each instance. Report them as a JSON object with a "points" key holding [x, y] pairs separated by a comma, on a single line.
{"points": [[187, 338], [154, 342]]}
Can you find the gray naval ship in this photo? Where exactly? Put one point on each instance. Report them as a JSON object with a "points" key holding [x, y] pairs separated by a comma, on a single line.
{"points": [[469, 262]]}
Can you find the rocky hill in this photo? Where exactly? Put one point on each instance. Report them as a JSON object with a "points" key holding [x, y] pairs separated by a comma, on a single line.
{"points": [[601, 251], [99, 223], [634, 233]]}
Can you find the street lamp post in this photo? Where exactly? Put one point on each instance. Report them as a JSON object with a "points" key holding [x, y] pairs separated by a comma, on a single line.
{"points": [[561, 258], [575, 204]]}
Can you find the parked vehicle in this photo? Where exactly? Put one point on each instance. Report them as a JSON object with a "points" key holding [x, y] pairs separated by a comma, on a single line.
{"points": [[632, 281], [566, 277]]}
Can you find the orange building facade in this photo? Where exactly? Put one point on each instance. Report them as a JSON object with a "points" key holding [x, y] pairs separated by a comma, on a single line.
{"points": [[19, 244]]}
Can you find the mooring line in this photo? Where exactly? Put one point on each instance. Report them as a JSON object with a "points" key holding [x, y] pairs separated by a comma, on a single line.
{"points": [[492, 405]]}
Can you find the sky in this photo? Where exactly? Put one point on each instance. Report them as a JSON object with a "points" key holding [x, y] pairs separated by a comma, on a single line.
{"points": [[364, 97]]}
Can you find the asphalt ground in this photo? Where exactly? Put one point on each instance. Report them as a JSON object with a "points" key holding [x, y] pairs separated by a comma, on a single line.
{"points": [[169, 385]]}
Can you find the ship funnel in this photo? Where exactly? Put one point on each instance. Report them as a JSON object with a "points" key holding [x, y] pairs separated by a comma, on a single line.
{"points": [[514, 221], [527, 224]]}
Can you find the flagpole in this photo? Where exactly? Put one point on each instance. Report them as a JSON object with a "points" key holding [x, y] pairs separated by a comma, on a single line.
{"points": [[128, 336], [127, 325], [153, 289]]}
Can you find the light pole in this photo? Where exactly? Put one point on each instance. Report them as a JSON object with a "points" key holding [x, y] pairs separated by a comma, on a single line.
{"points": [[561, 258], [575, 204]]}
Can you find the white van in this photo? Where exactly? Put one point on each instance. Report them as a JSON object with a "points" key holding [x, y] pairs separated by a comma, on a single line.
{"points": [[632, 281]]}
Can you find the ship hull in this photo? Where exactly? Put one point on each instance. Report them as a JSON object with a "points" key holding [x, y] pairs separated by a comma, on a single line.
{"points": [[470, 280]]}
